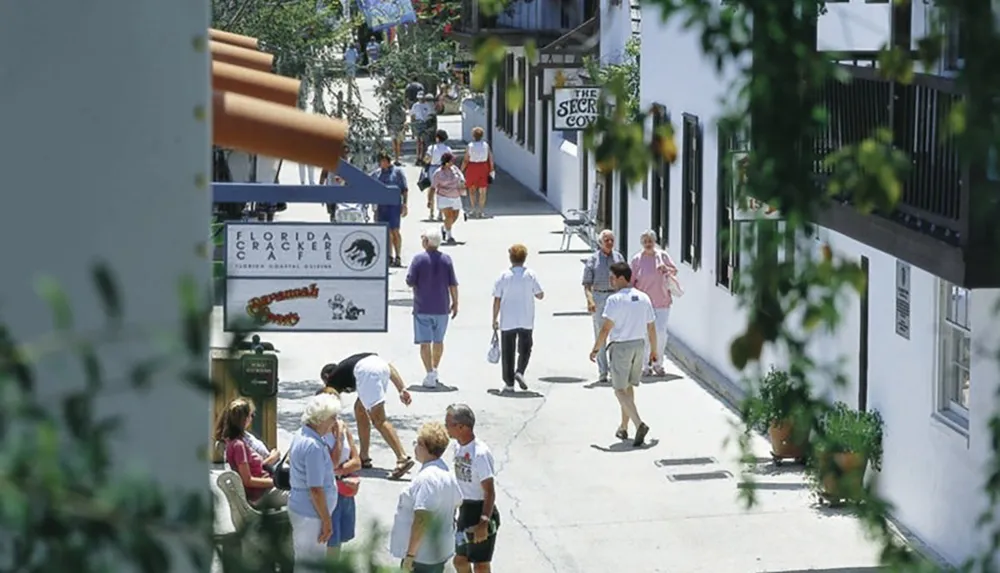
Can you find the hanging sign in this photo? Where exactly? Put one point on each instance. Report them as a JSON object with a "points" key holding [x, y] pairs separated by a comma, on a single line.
{"points": [[575, 107], [384, 14], [307, 305]]}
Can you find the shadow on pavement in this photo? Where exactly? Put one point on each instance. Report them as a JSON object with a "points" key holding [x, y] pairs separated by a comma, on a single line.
{"points": [[772, 486], [562, 379], [381, 473], [455, 244], [439, 388], [516, 394], [657, 379], [569, 252], [508, 197], [297, 389], [626, 446], [401, 302], [598, 384]]}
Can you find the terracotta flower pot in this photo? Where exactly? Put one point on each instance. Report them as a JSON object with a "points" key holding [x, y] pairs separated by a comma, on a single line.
{"points": [[783, 444], [842, 475]]}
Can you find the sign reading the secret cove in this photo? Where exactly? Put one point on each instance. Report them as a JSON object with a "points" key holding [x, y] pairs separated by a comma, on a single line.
{"points": [[575, 107], [306, 250], [307, 277]]}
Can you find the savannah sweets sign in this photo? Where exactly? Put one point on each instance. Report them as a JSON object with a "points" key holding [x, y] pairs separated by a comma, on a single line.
{"points": [[575, 107]]}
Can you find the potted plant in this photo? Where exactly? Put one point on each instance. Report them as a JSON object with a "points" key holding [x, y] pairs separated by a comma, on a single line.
{"points": [[775, 407], [849, 440]]}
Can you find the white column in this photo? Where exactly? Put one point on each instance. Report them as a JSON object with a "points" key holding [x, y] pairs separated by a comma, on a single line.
{"points": [[105, 155]]}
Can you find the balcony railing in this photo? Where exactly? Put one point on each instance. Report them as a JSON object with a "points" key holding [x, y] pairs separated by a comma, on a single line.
{"points": [[932, 196], [552, 16]]}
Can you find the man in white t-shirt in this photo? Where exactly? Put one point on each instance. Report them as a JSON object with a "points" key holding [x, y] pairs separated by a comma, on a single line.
{"points": [[628, 319], [478, 518], [514, 295]]}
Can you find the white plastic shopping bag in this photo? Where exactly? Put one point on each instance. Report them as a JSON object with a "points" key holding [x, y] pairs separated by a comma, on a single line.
{"points": [[676, 291], [493, 355]]}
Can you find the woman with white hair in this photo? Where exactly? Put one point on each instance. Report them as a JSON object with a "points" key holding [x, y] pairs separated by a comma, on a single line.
{"points": [[313, 495], [652, 271]]}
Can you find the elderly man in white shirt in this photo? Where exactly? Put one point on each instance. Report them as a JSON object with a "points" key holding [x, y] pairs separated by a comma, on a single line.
{"points": [[514, 295], [628, 320]]}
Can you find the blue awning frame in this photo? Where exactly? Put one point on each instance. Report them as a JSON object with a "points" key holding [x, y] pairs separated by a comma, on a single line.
{"points": [[359, 187]]}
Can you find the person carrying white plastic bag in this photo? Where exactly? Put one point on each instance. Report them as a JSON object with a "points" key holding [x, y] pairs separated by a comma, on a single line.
{"points": [[493, 354], [514, 296]]}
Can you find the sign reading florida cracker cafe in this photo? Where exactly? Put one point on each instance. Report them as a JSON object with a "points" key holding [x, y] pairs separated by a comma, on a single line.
{"points": [[306, 277], [272, 250]]}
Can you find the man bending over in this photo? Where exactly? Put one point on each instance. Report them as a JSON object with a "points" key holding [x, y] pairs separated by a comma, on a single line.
{"points": [[370, 376]]}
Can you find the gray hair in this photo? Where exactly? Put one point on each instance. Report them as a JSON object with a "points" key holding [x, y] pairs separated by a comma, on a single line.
{"points": [[432, 236], [649, 234], [462, 414], [606, 233], [321, 408]]}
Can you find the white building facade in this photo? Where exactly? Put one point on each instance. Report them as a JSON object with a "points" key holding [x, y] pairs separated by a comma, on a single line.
{"points": [[934, 387]]}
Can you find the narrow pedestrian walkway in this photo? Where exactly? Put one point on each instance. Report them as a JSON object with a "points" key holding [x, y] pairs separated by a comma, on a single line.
{"points": [[573, 498]]}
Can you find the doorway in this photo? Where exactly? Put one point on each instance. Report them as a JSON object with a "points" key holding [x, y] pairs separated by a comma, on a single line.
{"points": [[863, 341], [544, 151], [623, 215], [604, 202]]}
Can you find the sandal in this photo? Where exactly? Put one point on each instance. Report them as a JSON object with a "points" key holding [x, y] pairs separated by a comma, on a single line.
{"points": [[622, 434], [366, 463], [402, 466]]}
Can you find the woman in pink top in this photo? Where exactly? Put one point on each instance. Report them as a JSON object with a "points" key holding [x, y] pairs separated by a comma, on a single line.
{"points": [[231, 427], [449, 185], [652, 269]]}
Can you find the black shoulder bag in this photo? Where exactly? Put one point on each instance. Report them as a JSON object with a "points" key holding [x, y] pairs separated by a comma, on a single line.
{"points": [[281, 473]]}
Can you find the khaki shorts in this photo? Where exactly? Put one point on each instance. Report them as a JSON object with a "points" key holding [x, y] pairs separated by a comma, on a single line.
{"points": [[625, 362]]}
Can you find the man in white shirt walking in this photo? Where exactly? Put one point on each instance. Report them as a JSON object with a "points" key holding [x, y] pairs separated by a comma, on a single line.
{"points": [[514, 295], [628, 319]]}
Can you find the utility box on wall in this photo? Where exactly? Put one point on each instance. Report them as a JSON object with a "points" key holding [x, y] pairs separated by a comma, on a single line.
{"points": [[250, 375]]}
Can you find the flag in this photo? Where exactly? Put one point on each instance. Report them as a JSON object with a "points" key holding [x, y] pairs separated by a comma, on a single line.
{"points": [[383, 14]]}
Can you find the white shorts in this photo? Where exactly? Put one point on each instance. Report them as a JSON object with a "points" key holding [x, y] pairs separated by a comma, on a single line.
{"points": [[372, 377], [449, 203]]}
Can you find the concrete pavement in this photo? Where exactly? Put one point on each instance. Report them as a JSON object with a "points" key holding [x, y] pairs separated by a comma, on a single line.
{"points": [[573, 498]]}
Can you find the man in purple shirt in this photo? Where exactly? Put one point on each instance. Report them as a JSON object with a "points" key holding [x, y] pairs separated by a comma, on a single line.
{"points": [[435, 295]]}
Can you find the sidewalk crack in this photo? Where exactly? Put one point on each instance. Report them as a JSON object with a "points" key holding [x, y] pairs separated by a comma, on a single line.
{"points": [[516, 501]]}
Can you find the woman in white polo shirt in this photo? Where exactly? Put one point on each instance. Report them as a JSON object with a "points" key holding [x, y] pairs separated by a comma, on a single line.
{"points": [[514, 295]]}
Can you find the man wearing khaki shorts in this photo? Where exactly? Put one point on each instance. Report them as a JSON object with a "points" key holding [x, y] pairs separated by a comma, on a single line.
{"points": [[628, 320]]}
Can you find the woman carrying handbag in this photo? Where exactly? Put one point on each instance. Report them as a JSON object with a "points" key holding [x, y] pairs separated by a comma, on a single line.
{"points": [[654, 273], [346, 464]]}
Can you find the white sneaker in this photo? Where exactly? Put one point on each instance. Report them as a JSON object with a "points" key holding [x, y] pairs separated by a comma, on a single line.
{"points": [[430, 380]]}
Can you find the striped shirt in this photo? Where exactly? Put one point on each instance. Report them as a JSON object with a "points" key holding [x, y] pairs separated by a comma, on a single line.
{"points": [[597, 270]]}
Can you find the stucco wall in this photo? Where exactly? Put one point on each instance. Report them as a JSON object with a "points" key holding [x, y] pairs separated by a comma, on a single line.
{"points": [[103, 170], [932, 474]]}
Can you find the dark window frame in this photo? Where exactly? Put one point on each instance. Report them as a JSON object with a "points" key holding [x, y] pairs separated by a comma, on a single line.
{"points": [[532, 107], [692, 155], [522, 83], [659, 200], [727, 251], [501, 99], [508, 114]]}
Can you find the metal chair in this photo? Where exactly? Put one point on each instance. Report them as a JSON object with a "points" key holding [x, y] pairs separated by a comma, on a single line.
{"points": [[581, 223]]}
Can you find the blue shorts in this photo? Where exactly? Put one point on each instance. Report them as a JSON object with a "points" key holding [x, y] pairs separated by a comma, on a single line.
{"points": [[391, 214], [344, 516], [429, 328]]}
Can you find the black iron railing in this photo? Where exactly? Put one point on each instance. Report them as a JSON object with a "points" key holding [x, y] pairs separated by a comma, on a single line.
{"points": [[933, 193]]}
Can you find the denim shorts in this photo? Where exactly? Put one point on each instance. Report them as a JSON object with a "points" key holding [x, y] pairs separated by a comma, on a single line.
{"points": [[428, 328], [344, 517]]}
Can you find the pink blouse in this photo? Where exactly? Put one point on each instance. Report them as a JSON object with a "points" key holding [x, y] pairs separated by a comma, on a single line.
{"points": [[449, 182], [650, 280]]}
